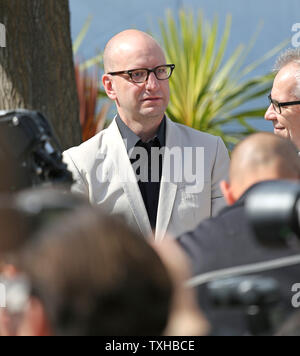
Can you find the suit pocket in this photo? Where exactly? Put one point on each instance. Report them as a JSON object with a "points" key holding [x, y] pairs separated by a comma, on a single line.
{"points": [[192, 208]]}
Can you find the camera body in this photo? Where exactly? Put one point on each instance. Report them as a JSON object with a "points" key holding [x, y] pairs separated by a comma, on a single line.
{"points": [[28, 143], [273, 209], [258, 296], [245, 291]]}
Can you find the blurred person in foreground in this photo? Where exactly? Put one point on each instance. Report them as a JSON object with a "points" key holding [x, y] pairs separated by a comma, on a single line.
{"points": [[228, 240], [92, 275], [22, 215], [284, 109], [291, 327], [141, 165]]}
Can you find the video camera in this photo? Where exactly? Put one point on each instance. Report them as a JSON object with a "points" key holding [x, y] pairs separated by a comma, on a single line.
{"points": [[30, 146], [256, 295]]}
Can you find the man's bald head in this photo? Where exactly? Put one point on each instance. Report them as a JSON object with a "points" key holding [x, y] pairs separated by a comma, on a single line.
{"points": [[260, 157], [122, 44], [140, 105]]}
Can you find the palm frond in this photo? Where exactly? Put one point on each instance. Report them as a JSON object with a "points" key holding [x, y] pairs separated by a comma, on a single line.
{"points": [[78, 41], [206, 90]]}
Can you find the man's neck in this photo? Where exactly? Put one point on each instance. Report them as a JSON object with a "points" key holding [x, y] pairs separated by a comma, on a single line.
{"points": [[145, 129]]}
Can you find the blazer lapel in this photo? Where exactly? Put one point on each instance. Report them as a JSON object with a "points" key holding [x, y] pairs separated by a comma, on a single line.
{"points": [[168, 189], [128, 179]]}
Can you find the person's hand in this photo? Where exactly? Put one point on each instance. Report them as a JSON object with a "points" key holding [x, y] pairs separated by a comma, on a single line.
{"points": [[186, 319]]}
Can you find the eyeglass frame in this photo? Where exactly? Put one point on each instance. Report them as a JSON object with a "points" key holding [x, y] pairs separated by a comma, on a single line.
{"points": [[149, 71], [283, 104]]}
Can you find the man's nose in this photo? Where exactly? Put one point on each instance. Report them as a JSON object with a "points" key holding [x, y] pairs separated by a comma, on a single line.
{"points": [[152, 82], [270, 114]]}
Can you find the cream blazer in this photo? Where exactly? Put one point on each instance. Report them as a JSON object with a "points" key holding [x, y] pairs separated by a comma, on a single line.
{"points": [[100, 165]]}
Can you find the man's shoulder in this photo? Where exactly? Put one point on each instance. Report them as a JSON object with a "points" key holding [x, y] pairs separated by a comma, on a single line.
{"points": [[86, 155], [220, 242], [211, 232], [87, 147], [193, 135], [223, 221]]}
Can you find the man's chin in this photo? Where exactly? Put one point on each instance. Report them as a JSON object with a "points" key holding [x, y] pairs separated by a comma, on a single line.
{"points": [[281, 132], [153, 113]]}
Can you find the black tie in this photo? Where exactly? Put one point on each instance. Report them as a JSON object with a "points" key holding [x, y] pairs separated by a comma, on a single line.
{"points": [[150, 190]]}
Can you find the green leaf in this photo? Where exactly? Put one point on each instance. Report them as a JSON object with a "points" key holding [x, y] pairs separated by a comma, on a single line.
{"points": [[98, 60], [206, 92], [82, 34]]}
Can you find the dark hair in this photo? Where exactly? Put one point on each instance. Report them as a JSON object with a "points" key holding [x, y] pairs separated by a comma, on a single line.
{"points": [[14, 228], [95, 276], [23, 214]]}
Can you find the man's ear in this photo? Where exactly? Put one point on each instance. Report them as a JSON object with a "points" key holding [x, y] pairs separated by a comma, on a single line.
{"points": [[34, 321], [226, 190], [109, 87]]}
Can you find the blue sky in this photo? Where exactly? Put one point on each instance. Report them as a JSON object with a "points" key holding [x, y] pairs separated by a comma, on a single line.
{"points": [[112, 16]]}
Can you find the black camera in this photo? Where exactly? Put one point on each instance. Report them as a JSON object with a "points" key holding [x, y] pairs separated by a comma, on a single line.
{"points": [[273, 210], [258, 296], [29, 145]]}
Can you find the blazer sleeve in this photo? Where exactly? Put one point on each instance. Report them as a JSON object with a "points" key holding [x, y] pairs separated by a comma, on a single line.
{"points": [[220, 172], [79, 185]]}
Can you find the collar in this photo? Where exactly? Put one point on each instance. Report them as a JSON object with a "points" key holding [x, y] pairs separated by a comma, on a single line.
{"points": [[240, 202], [133, 139], [243, 198]]}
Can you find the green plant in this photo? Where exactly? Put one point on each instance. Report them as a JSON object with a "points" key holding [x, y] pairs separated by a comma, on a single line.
{"points": [[88, 94], [207, 92]]}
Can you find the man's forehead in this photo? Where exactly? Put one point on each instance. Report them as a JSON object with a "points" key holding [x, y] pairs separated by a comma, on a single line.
{"points": [[130, 57], [132, 48], [285, 83]]}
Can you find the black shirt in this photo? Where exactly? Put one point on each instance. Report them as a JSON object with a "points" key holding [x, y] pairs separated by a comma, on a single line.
{"points": [[150, 188]]}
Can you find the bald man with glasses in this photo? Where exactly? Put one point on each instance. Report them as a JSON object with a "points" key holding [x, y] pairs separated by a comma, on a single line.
{"points": [[284, 109], [141, 166]]}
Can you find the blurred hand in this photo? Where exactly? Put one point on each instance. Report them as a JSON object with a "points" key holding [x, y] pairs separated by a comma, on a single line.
{"points": [[186, 318]]}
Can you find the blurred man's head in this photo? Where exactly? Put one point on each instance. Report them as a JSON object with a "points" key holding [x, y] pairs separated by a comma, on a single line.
{"points": [[23, 214], [92, 275], [284, 109], [137, 102], [258, 158]]}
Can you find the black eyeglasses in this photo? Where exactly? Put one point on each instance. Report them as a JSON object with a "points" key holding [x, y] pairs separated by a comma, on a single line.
{"points": [[277, 106], [141, 75]]}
